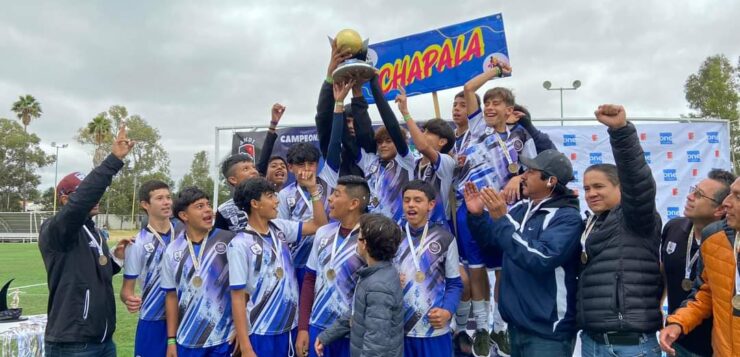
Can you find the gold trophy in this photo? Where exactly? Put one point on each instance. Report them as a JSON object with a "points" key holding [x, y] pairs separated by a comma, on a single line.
{"points": [[357, 66]]}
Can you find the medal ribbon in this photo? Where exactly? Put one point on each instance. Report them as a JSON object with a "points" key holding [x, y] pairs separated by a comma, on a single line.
{"points": [[156, 234], [590, 223], [415, 250], [527, 215], [98, 246], [505, 149], [274, 245], [341, 246], [199, 259], [690, 260]]}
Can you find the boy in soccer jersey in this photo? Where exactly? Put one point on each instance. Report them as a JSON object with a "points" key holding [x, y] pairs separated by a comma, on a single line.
{"points": [[427, 261], [262, 280], [273, 168], [435, 166], [195, 275], [331, 268], [489, 157], [392, 166], [142, 263], [236, 168]]}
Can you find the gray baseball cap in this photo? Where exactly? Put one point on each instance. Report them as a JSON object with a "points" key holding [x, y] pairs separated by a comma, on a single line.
{"points": [[553, 163]]}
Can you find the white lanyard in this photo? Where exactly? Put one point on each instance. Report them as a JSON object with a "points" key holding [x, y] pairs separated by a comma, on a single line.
{"points": [[690, 260], [98, 246], [309, 206], [503, 146], [422, 169], [334, 243], [274, 246], [737, 274], [590, 223], [197, 260], [415, 250], [462, 142], [379, 179], [156, 234], [527, 214]]}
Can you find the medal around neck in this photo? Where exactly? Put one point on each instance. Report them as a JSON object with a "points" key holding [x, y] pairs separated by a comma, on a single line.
{"points": [[358, 66]]}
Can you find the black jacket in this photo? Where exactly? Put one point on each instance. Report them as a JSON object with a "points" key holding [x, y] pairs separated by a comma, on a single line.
{"points": [[81, 307], [620, 287]]}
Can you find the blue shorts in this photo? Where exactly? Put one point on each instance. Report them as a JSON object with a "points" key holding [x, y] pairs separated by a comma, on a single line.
{"points": [[273, 345], [222, 350], [440, 346], [338, 348], [151, 338], [469, 251]]}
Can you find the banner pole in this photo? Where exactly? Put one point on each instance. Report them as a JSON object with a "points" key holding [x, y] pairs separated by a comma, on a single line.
{"points": [[436, 105]]}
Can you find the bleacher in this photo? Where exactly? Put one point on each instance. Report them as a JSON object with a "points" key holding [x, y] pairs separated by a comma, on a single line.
{"points": [[21, 227]]}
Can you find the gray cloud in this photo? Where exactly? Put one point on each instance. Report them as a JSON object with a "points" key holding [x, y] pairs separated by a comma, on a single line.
{"points": [[189, 66]]}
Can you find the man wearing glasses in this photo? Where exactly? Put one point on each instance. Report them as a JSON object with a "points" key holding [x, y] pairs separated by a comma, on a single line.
{"points": [[680, 252]]}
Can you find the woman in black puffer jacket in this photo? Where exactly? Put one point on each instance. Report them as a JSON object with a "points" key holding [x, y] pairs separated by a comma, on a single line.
{"points": [[620, 285]]}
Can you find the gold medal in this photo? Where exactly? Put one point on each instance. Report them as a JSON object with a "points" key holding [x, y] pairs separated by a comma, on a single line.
{"points": [[197, 281], [513, 167], [331, 274], [686, 284], [736, 302], [419, 277], [279, 272], [584, 257], [103, 260]]}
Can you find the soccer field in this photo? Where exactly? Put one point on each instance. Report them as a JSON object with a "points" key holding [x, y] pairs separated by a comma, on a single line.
{"points": [[22, 262]]}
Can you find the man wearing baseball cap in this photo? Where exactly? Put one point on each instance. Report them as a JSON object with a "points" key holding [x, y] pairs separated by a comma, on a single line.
{"points": [[79, 266], [540, 240]]}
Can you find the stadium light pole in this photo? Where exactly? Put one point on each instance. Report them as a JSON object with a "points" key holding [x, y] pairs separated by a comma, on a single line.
{"points": [[56, 170], [548, 86]]}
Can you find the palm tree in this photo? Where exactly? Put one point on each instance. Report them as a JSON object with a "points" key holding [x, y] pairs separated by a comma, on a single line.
{"points": [[99, 130], [27, 108]]}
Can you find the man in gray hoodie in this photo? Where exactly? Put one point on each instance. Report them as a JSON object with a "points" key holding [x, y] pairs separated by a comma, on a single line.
{"points": [[376, 318]]}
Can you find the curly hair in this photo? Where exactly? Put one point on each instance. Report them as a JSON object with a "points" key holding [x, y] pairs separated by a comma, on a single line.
{"points": [[381, 235]]}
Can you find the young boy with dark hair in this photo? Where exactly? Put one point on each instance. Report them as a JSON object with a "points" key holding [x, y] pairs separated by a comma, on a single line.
{"points": [[376, 318], [273, 167], [195, 276], [428, 262], [264, 288], [235, 169], [142, 263]]}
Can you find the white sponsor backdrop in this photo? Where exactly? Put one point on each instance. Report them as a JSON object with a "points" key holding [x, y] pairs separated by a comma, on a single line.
{"points": [[679, 154]]}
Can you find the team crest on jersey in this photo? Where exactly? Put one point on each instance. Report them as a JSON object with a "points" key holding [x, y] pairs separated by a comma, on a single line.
{"points": [[291, 202], [323, 243], [488, 130], [256, 249], [220, 247], [435, 247], [518, 144], [670, 248], [178, 255], [149, 247], [281, 236], [372, 169]]}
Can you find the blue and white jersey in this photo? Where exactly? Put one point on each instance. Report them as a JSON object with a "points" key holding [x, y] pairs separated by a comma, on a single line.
{"points": [[205, 311], [295, 204], [438, 260], [440, 175], [255, 262], [230, 217], [143, 258], [332, 298], [386, 182], [486, 164]]}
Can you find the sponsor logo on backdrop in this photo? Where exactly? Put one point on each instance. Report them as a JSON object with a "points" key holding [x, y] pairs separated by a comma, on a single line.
{"points": [[674, 191], [569, 140], [694, 172], [693, 156], [298, 138], [643, 136], [594, 137], [648, 157], [713, 137], [666, 138], [672, 212], [691, 135], [576, 176], [669, 155], [573, 156], [716, 153], [595, 158], [670, 175]]}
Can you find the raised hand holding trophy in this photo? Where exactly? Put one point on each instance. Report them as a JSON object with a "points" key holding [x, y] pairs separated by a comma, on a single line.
{"points": [[357, 66]]}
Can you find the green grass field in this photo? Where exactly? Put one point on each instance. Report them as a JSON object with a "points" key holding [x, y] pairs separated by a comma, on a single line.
{"points": [[22, 262]]}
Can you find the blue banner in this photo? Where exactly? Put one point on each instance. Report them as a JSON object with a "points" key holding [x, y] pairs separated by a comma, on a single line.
{"points": [[439, 59]]}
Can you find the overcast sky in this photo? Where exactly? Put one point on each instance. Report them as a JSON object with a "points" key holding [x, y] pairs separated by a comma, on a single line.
{"points": [[187, 66]]}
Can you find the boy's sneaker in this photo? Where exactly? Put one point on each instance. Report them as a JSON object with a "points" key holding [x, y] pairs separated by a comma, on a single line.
{"points": [[481, 343], [501, 339], [462, 343]]}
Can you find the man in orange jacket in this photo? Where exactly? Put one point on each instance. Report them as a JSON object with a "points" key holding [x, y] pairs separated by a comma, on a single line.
{"points": [[717, 287]]}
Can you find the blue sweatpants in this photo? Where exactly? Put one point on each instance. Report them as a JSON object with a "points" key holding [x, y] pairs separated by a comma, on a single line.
{"points": [[222, 350], [440, 346], [151, 338], [338, 348], [273, 345]]}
